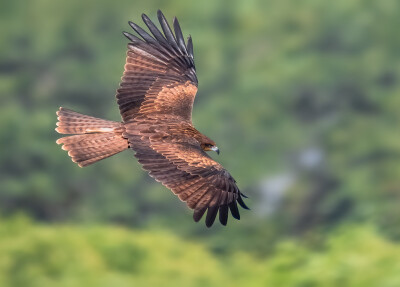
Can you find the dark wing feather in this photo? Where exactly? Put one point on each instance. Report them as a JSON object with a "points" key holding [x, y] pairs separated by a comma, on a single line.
{"points": [[131, 37], [179, 35], [190, 46], [211, 215], [167, 30], [154, 62], [154, 30], [142, 33], [223, 214]]}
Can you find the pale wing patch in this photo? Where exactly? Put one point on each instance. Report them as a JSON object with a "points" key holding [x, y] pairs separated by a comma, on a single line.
{"points": [[186, 157], [145, 54], [99, 130], [174, 99]]}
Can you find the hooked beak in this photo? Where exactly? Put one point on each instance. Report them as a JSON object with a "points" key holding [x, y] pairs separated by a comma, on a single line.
{"points": [[216, 149]]}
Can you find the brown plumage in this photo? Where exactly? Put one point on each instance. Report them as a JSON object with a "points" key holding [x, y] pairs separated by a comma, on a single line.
{"points": [[155, 99]]}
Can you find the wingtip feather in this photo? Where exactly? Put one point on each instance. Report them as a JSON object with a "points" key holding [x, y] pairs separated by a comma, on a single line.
{"points": [[179, 35], [242, 204], [198, 214], [223, 214], [234, 210], [130, 37], [211, 215]]}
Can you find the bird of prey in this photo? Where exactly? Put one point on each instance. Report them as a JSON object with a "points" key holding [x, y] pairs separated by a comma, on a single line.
{"points": [[155, 99]]}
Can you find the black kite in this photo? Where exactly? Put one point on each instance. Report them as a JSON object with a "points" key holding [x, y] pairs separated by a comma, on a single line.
{"points": [[155, 99]]}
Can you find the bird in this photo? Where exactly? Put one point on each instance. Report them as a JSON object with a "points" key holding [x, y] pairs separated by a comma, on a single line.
{"points": [[155, 99]]}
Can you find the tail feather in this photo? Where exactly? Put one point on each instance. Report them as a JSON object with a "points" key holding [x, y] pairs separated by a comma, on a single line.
{"points": [[95, 138], [70, 122]]}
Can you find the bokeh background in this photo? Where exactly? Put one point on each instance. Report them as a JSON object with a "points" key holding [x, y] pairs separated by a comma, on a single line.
{"points": [[303, 99]]}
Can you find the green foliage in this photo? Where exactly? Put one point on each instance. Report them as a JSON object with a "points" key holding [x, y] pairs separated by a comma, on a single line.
{"points": [[62, 255]]}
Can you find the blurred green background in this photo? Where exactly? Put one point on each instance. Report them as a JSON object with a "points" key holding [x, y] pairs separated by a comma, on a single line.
{"points": [[303, 99]]}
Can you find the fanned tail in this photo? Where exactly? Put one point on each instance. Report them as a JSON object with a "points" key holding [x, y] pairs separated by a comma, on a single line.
{"points": [[94, 139]]}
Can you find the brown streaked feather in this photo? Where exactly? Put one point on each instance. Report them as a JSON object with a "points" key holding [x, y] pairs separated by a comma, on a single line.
{"points": [[94, 139], [89, 148], [213, 208], [173, 99], [70, 122], [194, 159], [205, 200], [191, 195]]}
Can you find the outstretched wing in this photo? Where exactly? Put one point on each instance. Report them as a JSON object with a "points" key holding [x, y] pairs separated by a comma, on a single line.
{"points": [[158, 89], [191, 174], [159, 74]]}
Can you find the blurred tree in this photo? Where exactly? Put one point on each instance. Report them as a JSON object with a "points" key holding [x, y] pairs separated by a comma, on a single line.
{"points": [[277, 78]]}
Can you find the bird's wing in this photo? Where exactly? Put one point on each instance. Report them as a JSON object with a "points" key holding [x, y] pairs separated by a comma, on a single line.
{"points": [[159, 76], [184, 168]]}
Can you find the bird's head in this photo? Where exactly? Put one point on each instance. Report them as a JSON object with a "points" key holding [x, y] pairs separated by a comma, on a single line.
{"points": [[208, 145]]}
